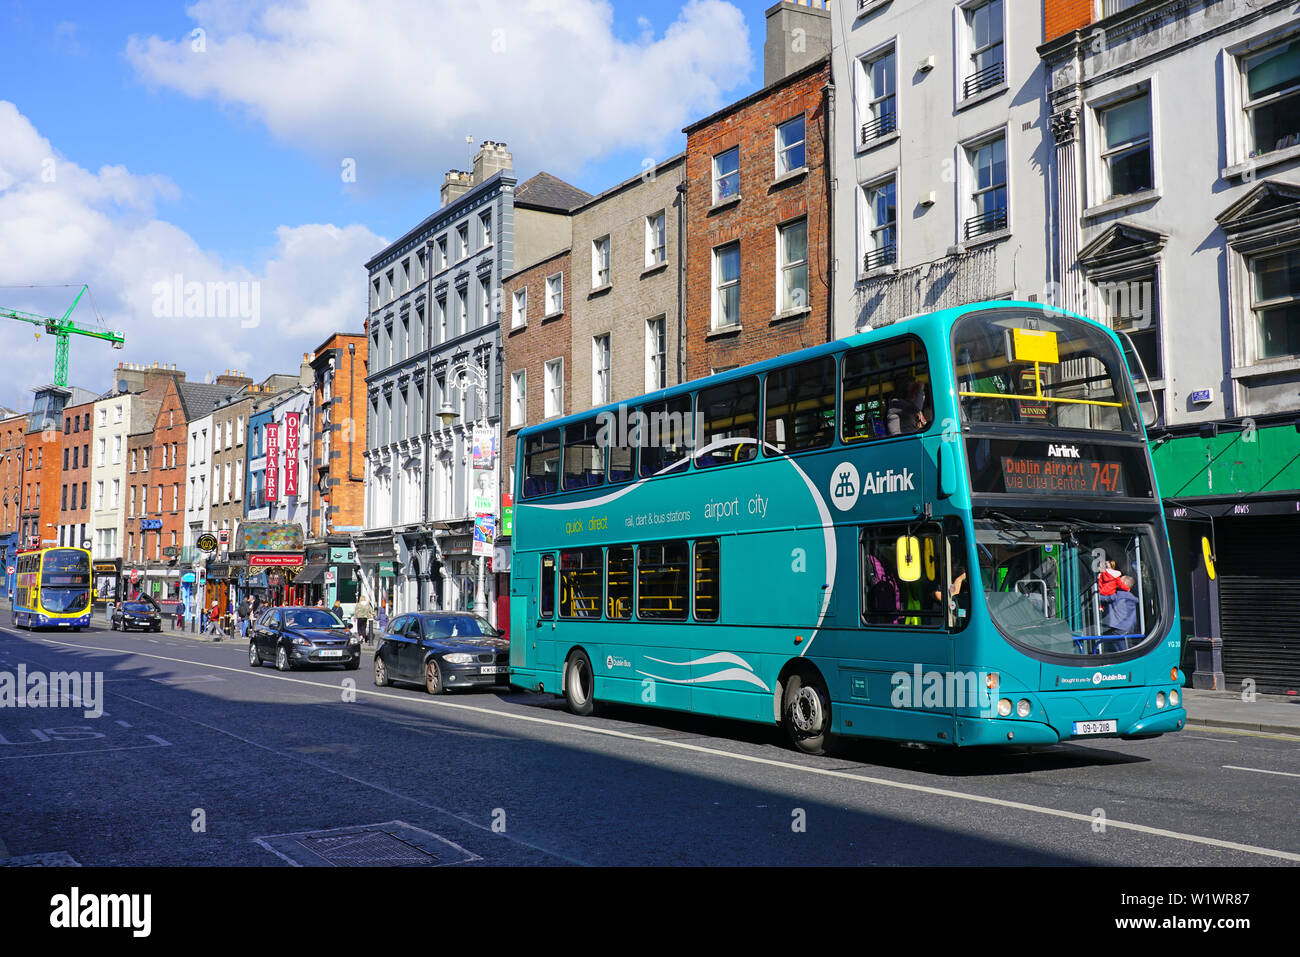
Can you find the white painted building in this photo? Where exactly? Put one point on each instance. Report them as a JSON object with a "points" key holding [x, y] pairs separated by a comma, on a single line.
{"points": [[292, 502], [198, 480], [938, 152]]}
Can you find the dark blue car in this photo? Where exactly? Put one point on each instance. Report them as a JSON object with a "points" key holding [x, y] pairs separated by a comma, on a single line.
{"points": [[444, 650]]}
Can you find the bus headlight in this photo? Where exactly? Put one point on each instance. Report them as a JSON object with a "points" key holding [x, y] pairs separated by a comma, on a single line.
{"points": [[1004, 707], [1023, 707], [1160, 699], [1173, 699]]}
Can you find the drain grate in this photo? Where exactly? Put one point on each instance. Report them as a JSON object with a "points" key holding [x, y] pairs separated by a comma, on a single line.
{"points": [[391, 844]]}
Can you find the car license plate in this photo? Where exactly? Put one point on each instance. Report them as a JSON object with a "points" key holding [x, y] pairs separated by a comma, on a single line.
{"points": [[1094, 727], [492, 670], [331, 654]]}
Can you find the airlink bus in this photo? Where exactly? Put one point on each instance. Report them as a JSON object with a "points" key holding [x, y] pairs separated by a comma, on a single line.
{"points": [[946, 530], [53, 589]]}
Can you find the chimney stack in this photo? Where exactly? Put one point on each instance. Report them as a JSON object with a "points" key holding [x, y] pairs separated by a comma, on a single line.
{"points": [[787, 51], [456, 185], [490, 159]]}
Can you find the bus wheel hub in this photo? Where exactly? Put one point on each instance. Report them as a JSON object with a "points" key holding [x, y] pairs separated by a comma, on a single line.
{"points": [[806, 711]]}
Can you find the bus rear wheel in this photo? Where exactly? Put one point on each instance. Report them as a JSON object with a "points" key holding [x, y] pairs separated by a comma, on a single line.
{"points": [[806, 714], [579, 684]]}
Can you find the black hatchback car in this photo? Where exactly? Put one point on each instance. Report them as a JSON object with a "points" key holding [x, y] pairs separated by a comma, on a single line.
{"points": [[137, 615], [444, 650], [292, 636]]}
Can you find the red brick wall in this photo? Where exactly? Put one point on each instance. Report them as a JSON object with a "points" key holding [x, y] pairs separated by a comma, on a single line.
{"points": [[346, 499], [538, 342], [78, 438], [13, 444], [170, 429], [137, 484], [1062, 16], [764, 205], [42, 475]]}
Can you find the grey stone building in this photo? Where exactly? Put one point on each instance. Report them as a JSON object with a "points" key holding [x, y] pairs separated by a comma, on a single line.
{"points": [[435, 341]]}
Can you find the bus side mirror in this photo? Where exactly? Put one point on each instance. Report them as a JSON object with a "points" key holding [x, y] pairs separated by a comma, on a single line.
{"points": [[908, 551]]}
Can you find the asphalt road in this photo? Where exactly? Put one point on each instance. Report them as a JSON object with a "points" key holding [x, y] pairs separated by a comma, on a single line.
{"points": [[200, 759]]}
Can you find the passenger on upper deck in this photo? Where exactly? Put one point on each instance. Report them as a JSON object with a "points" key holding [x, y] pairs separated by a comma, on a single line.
{"points": [[906, 414]]}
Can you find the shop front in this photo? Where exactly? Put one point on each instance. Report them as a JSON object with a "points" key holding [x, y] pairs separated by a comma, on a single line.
{"points": [[108, 579], [1231, 493], [376, 558]]}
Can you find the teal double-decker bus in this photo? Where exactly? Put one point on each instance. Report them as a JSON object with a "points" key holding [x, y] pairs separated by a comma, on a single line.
{"points": [[946, 530]]}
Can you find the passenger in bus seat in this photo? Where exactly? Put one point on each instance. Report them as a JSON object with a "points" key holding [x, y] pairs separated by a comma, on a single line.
{"points": [[906, 409]]}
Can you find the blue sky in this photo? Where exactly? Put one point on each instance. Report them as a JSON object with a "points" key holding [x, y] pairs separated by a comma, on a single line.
{"points": [[219, 158], [66, 69]]}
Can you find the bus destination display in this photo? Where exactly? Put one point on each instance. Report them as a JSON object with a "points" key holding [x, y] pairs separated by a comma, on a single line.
{"points": [[1022, 473]]}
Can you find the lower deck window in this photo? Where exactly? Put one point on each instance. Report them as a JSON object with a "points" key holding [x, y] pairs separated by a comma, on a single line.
{"points": [[663, 585], [706, 580], [889, 599], [581, 572], [619, 582]]}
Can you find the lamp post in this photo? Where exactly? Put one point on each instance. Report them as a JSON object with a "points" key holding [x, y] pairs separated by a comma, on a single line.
{"points": [[462, 373]]}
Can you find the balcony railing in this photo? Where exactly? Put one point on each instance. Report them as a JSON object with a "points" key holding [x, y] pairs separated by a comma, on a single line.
{"points": [[1109, 7], [884, 256], [984, 79], [989, 222], [882, 125]]}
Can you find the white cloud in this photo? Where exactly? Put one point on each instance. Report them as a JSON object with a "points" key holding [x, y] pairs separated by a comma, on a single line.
{"points": [[398, 84], [60, 223]]}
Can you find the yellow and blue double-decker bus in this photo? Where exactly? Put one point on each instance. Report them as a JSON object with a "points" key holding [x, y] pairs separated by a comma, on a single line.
{"points": [[945, 530], [53, 588]]}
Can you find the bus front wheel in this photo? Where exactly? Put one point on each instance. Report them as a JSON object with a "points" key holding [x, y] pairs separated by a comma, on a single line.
{"points": [[806, 709], [579, 684]]}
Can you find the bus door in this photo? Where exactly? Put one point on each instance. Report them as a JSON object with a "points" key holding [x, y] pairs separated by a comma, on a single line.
{"points": [[538, 612]]}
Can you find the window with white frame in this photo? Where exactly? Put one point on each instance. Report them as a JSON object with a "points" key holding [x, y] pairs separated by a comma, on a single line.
{"points": [[600, 389], [375, 293], [985, 65], [421, 260], [518, 398], [462, 240], [987, 210], [101, 417], [390, 289], [1275, 302], [600, 262], [117, 413], [239, 479], [485, 228], [1124, 134], [101, 449], [792, 282], [726, 174], [656, 238], [440, 308], [554, 398], [656, 354], [406, 275], [485, 298], [117, 450], [417, 345], [117, 493], [99, 495], [726, 285], [880, 229], [1271, 97], [554, 294], [462, 311], [790, 152], [440, 253], [879, 103], [519, 307]]}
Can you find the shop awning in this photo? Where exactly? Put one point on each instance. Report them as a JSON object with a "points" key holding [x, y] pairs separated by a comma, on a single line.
{"points": [[310, 575]]}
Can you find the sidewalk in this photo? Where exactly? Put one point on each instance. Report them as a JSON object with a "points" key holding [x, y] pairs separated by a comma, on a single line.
{"points": [[1275, 713], [168, 629]]}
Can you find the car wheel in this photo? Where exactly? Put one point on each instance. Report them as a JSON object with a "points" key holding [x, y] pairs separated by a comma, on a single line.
{"points": [[579, 684], [432, 677], [254, 659], [381, 673], [806, 714], [157, 627], [282, 662]]}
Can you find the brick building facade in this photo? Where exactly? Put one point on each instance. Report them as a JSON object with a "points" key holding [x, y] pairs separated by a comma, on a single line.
{"points": [[74, 483], [757, 225]]}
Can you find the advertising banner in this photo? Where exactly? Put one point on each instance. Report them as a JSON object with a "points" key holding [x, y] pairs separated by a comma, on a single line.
{"points": [[485, 447], [291, 454], [272, 462], [484, 535]]}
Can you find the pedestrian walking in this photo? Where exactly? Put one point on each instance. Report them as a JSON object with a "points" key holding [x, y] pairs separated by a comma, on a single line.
{"points": [[337, 609], [362, 614], [382, 619], [245, 612], [214, 621]]}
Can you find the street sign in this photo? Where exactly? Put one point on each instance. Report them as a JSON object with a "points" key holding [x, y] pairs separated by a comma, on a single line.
{"points": [[223, 536], [171, 551], [207, 542], [150, 524], [10, 570], [329, 578]]}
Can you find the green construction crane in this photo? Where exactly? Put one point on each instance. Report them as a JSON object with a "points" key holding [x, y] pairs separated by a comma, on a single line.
{"points": [[63, 330]]}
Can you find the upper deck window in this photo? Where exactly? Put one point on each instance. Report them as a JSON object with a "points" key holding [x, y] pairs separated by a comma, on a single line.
{"points": [[729, 414], [886, 391], [542, 463], [1040, 369], [799, 412]]}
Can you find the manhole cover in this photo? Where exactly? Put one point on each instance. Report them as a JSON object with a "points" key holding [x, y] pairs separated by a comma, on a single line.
{"points": [[391, 844]]}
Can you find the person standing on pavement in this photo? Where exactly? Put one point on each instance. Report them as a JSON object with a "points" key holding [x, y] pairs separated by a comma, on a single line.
{"points": [[214, 621], [362, 614], [245, 612], [382, 619]]}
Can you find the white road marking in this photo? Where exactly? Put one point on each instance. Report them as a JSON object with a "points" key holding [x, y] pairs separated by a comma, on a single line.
{"points": [[124, 724], [1285, 774], [712, 752], [64, 754], [154, 737], [1277, 735]]}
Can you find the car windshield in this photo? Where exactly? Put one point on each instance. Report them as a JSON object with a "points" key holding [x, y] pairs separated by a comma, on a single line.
{"points": [[458, 626], [1070, 589], [64, 599], [310, 618], [137, 607], [1041, 370]]}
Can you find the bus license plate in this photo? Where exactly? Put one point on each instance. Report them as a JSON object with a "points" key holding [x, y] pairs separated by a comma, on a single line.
{"points": [[1094, 727], [331, 654], [492, 670]]}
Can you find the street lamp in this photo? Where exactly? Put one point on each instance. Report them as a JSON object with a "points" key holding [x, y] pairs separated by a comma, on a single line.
{"points": [[462, 373]]}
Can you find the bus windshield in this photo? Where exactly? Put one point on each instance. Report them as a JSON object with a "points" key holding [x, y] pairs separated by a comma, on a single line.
{"points": [[1070, 589], [65, 566], [1041, 370], [63, 600]]}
